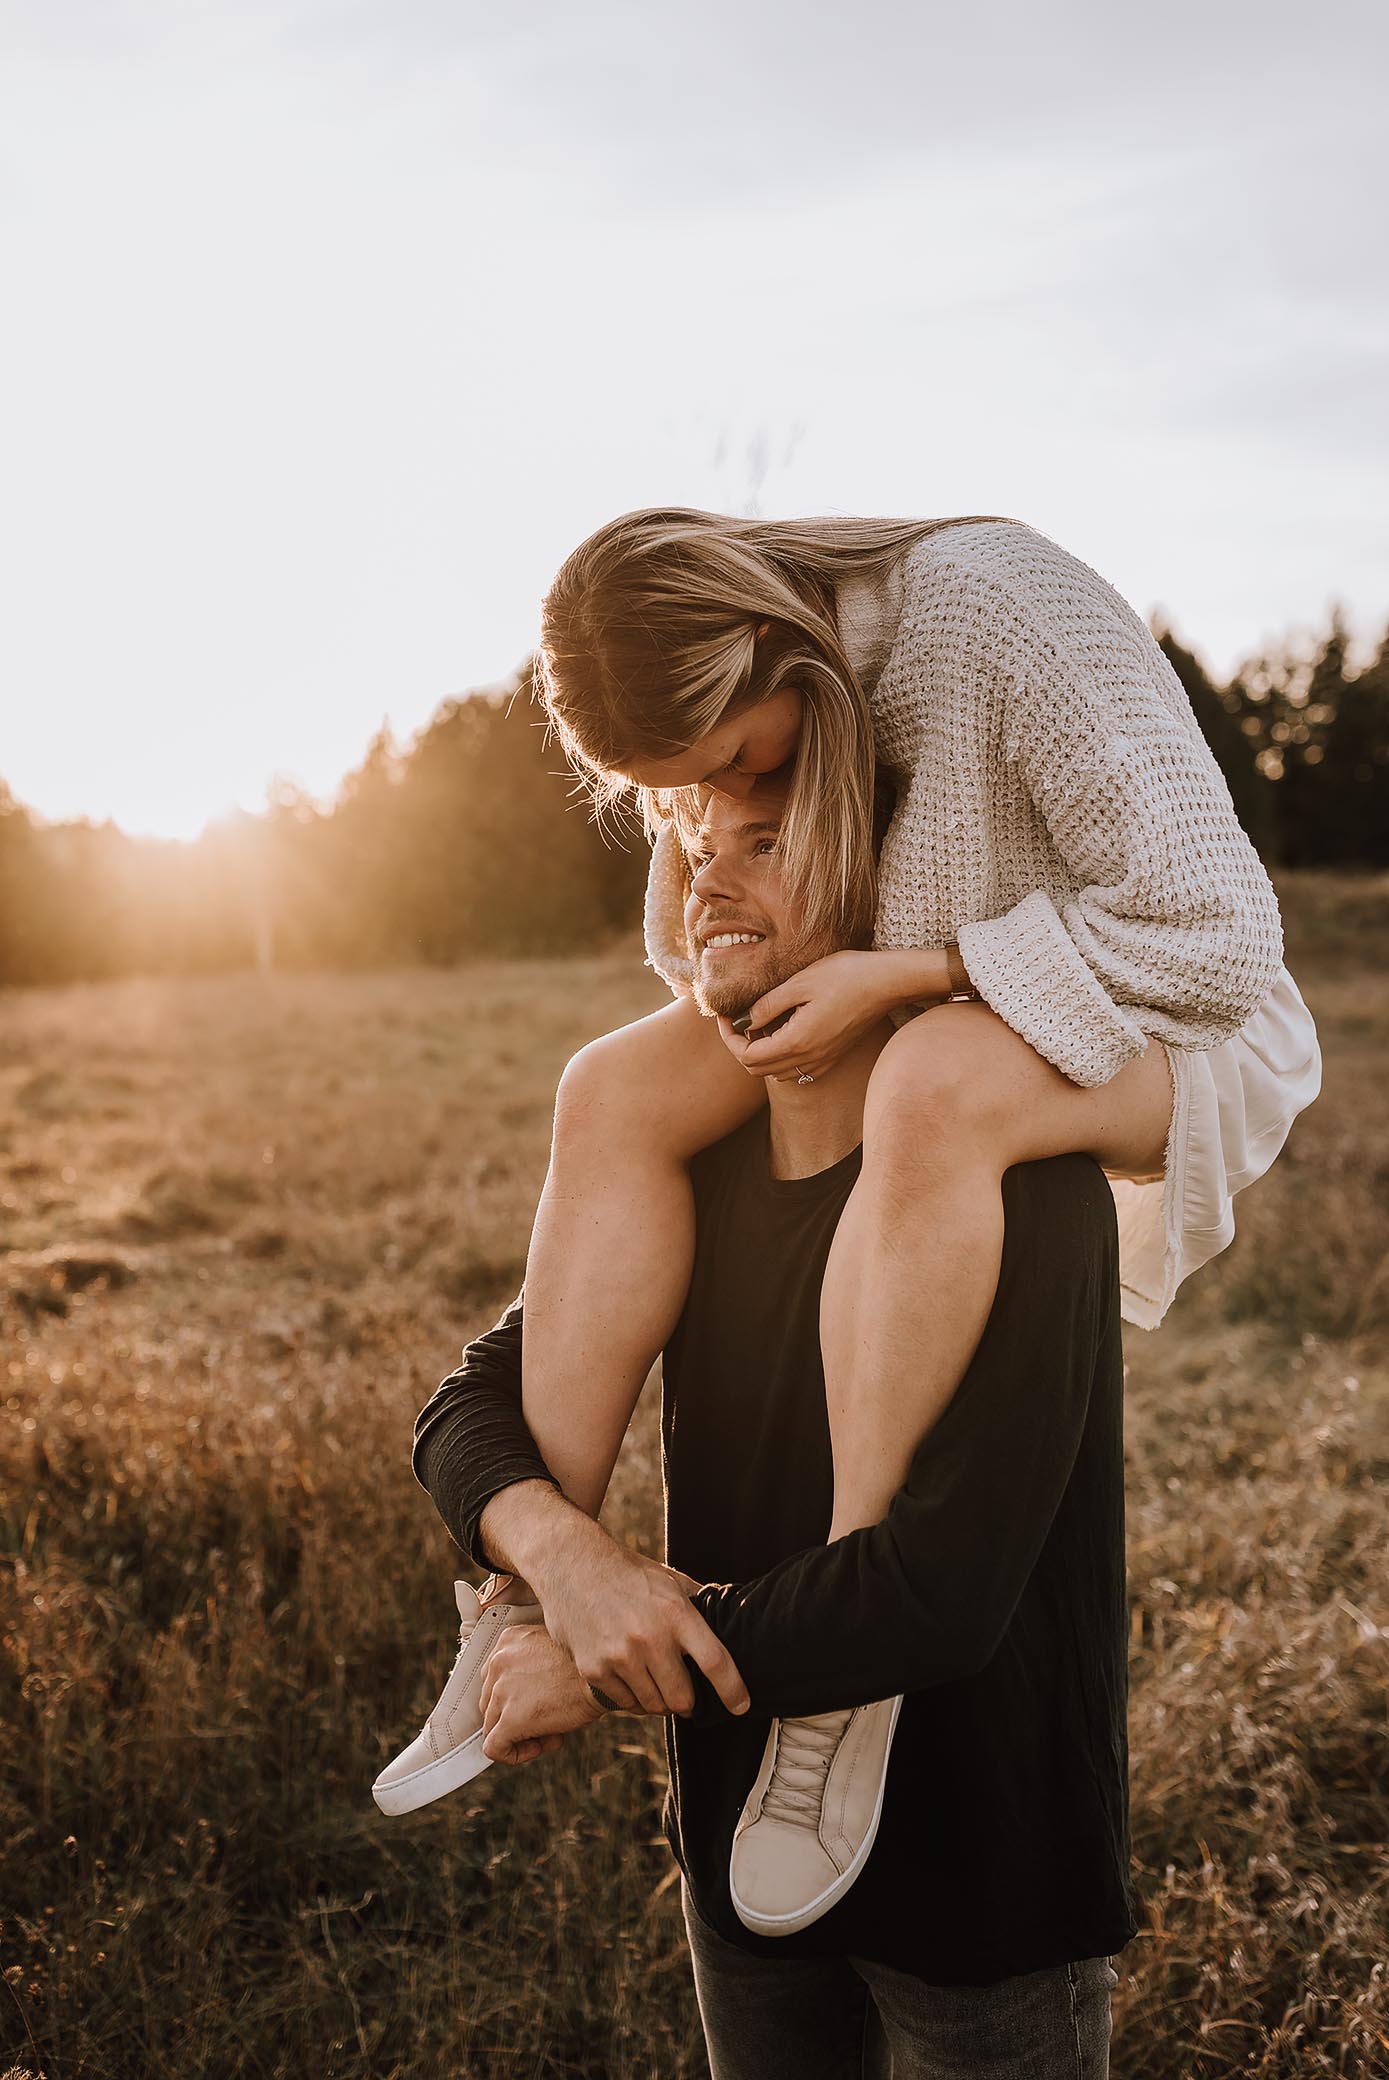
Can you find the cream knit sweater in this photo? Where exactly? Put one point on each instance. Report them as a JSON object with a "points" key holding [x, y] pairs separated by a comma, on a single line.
{"points": [[1059, 812]]}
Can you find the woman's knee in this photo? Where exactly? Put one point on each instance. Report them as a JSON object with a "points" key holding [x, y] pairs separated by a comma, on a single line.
{"points": [[656, 1089], [608, 1091], [930, 1094]]}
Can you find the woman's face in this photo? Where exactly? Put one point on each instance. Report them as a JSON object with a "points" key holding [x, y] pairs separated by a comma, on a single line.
{"points": [[735, 756]]}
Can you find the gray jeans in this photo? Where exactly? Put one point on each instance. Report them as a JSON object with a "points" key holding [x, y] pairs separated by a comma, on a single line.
{"points": [[846, 2018]]}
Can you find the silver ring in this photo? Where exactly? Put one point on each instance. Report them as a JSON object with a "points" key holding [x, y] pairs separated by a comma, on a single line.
{"points": [[801, 1077]]}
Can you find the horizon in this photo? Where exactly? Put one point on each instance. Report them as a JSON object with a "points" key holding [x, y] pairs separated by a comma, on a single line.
{"points": [[403, 745]]}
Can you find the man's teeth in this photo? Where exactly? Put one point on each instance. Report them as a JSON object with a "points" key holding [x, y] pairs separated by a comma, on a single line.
{"points": [[734, 939]]}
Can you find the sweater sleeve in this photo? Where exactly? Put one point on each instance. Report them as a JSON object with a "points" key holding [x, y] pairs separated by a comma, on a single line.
{"points": [[925, 1596], [1174, 931], [471, 1438], [663, 921]]}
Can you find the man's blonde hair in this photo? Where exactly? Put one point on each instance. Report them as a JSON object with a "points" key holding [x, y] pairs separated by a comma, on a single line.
{"points": [[649, 641]]}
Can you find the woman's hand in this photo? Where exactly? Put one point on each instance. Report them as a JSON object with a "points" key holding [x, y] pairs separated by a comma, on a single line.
{"points": [[832, 1003], [532, 1695]]}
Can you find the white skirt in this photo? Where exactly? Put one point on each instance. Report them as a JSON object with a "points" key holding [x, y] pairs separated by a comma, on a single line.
{"points": [[1232, 1108]]}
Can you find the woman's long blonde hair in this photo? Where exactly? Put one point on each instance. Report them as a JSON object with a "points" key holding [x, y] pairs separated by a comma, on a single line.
{"points": [[649, 641]]}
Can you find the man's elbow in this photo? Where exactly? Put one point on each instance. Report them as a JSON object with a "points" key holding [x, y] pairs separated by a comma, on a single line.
{"points": [[422, 1458]]}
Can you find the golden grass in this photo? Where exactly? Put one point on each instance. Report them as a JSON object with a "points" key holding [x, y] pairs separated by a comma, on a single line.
{"points": [[248, 1223]]}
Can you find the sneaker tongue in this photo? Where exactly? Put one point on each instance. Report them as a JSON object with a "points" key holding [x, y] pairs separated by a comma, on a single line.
{"points": [[465, 1596], [805, 1750]]}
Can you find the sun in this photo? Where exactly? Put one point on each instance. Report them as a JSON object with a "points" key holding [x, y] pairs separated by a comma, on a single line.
{"points": [[141, 805]]}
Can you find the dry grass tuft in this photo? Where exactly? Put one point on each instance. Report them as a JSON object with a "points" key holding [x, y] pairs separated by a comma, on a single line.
{"points": [[227, 1602]]}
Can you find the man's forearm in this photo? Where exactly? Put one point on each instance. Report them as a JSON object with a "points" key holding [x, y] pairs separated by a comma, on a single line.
{"points": [[531, 1530]]}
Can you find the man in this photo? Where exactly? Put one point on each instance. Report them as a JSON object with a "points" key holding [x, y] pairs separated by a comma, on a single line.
{"points": [[976, 1935]]}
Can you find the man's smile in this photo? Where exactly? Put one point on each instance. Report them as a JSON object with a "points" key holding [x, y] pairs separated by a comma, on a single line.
{"points": [[725, 935]]}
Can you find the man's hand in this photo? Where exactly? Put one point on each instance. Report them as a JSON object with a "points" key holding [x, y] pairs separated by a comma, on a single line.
{"points": [[628, 1623], [532, 1695]]}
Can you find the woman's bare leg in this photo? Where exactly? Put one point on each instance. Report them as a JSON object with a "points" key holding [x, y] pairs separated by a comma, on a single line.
{"points": [[613, 1243], [956, 1099]]}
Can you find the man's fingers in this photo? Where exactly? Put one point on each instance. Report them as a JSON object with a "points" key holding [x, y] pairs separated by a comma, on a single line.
{"points": [[620, 1698], [645, 1691], [708, 1652], [671, 1677], [502, 1745]]}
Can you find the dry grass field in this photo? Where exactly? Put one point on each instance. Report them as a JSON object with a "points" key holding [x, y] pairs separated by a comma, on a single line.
{"points": [[245, 1225]]}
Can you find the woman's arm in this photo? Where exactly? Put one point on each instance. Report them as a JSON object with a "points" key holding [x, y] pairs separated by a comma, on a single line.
{"points": [[1174, 932], [816, 1017]]}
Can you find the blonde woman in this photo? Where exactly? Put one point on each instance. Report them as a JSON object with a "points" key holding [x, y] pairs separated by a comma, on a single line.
{"points": [[1063, 850]]}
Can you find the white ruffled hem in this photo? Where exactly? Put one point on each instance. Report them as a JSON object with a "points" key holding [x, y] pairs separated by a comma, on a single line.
{"points": [[1232, 1109]]}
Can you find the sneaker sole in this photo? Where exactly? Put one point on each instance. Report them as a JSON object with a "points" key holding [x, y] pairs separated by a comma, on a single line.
{"points": [[790, 1924], [435, 1780]]}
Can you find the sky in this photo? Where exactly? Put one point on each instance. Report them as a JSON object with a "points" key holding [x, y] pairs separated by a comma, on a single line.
{"points": [[331, 326]]}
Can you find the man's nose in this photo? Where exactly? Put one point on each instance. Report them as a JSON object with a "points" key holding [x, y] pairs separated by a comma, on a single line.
{"points": [[714, 879]]}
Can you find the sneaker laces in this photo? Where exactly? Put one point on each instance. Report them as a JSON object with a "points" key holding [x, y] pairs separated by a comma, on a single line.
{"points": [[804, 1751]]}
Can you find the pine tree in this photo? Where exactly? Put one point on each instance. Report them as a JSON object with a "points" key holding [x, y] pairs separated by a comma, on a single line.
{"points": [[1347, 803]]}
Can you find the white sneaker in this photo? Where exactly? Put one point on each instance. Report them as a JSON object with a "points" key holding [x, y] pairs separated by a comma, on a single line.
{"points": [[448, 1750], [811, 1816]]}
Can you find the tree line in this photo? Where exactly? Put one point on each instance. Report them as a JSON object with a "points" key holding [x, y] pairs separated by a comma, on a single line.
{"points": [[475, 839]]}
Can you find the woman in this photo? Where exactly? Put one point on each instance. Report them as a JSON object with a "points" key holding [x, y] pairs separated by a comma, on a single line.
{"points": [[1064, 848], [1060, 820]]}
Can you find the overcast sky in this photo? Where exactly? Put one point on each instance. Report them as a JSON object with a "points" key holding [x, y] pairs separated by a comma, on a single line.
{"points": [[330, 326]]}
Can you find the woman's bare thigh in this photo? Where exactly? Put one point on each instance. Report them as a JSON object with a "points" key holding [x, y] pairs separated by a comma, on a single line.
{"points": [[996, 1083]]}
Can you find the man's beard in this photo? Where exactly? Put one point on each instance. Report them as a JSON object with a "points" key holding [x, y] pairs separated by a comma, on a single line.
{"points": [[726, 996]]}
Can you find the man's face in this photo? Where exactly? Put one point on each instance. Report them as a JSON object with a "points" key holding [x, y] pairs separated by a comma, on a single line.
{"points": [[746, 936]]}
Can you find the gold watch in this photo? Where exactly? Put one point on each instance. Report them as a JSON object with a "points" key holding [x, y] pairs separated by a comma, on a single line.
{"points": [[962, 990]]}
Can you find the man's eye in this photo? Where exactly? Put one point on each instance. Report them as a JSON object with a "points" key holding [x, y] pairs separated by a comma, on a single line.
{"points": [[767, 845]]}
